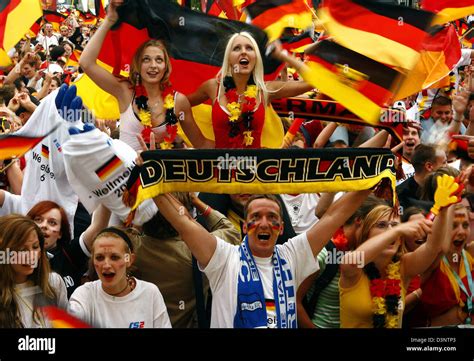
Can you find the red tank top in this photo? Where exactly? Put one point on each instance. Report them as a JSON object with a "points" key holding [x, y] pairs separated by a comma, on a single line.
{"points": [[221, 127]]}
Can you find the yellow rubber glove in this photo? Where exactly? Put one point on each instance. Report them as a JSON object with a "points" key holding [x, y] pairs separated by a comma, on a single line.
{"points": [[444, 195]]}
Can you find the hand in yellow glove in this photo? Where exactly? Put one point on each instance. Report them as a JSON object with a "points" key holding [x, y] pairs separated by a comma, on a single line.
{"points": [[446, 193]]}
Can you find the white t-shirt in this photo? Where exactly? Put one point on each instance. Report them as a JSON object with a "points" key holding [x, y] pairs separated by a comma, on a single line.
{"points": [[25, 299], [301, 209], [224, 268], [144, 307], [47, 41]]}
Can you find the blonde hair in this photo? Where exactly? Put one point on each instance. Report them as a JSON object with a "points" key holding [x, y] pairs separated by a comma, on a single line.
{"points": [[137, 63], [369, 221], [257, 72]]}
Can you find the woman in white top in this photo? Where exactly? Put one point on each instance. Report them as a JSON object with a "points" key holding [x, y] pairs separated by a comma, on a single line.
{"points": [[116, 299], [26, 282], [142, 99]]}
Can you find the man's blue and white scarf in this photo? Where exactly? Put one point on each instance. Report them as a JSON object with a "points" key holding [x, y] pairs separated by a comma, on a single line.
{"points": [[251, 310]]}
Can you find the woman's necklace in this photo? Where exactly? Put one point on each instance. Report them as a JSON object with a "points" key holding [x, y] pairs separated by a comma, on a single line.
{"points": [[116, 294]]}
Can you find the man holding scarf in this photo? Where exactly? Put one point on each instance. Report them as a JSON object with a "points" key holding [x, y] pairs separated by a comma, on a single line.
{"points": [[254, 285]]}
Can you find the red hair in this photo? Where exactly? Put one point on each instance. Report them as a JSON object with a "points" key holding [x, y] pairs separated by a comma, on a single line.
{"points": [[45, 206]]}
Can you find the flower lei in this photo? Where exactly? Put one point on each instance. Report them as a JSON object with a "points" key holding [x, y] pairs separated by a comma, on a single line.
{"points": [[385, 294], [144, 113], [238, 110], [340, 240]]}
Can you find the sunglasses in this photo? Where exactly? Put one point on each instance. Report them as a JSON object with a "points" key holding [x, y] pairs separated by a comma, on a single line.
{"points": [[5, 124]]}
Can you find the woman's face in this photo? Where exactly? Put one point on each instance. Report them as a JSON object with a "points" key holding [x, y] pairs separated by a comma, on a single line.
{"points": [[466, 203], [27, 258], [243, 56], [68, 49], [382, 225], [111, 261], [461, 231], [411, 242], [153, 65], [50, 224]]}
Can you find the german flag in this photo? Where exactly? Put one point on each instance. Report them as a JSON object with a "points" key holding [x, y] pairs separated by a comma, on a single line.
{"points": [[99, 8], [16, 18], [108, 168], [228, 9], [359, 83], [298, 43], [389, 34], [270, 305], [61, 319], [448, 10], [45, 151], [74, 58], [54, 18], [440, 52], [274, 16], [14, 146], [87, 18]]}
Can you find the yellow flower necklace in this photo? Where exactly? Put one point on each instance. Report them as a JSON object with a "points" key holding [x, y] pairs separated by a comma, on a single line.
{"points": [[144, 113], [385, 294], [240, 111]]}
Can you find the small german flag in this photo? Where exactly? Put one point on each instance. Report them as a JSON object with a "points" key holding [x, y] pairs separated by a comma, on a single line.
{"points": [[108, 168], [54, 18], [224, 9], [359, 83], [44, 151], [387, 33], [270, 305], [274, 16], [61, 319], [448, 10], [13, 146], [298, 43]]}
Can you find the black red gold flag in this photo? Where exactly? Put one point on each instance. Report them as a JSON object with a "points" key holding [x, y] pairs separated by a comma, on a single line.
{"points": [[16, 18], [387, 33], [448, 10], [275, 15], [359, 83]]}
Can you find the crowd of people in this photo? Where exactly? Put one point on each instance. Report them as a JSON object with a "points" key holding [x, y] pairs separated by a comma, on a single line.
{"points": [[316, 260]]}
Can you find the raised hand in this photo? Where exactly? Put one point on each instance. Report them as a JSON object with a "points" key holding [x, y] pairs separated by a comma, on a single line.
{"points": [[419, 228], [446, 193], [112, 14]]}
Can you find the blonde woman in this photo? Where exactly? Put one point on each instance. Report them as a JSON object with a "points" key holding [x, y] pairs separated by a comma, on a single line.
{"points": [[372, 294], [240, 95]]}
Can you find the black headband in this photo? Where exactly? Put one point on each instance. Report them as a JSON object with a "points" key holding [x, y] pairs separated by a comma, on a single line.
{"points": [[119, 233]]}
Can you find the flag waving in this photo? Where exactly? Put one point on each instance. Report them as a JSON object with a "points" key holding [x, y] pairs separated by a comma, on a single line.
{"points": [[448, 10], [359, 83], [16, 18], [387, 33]]}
